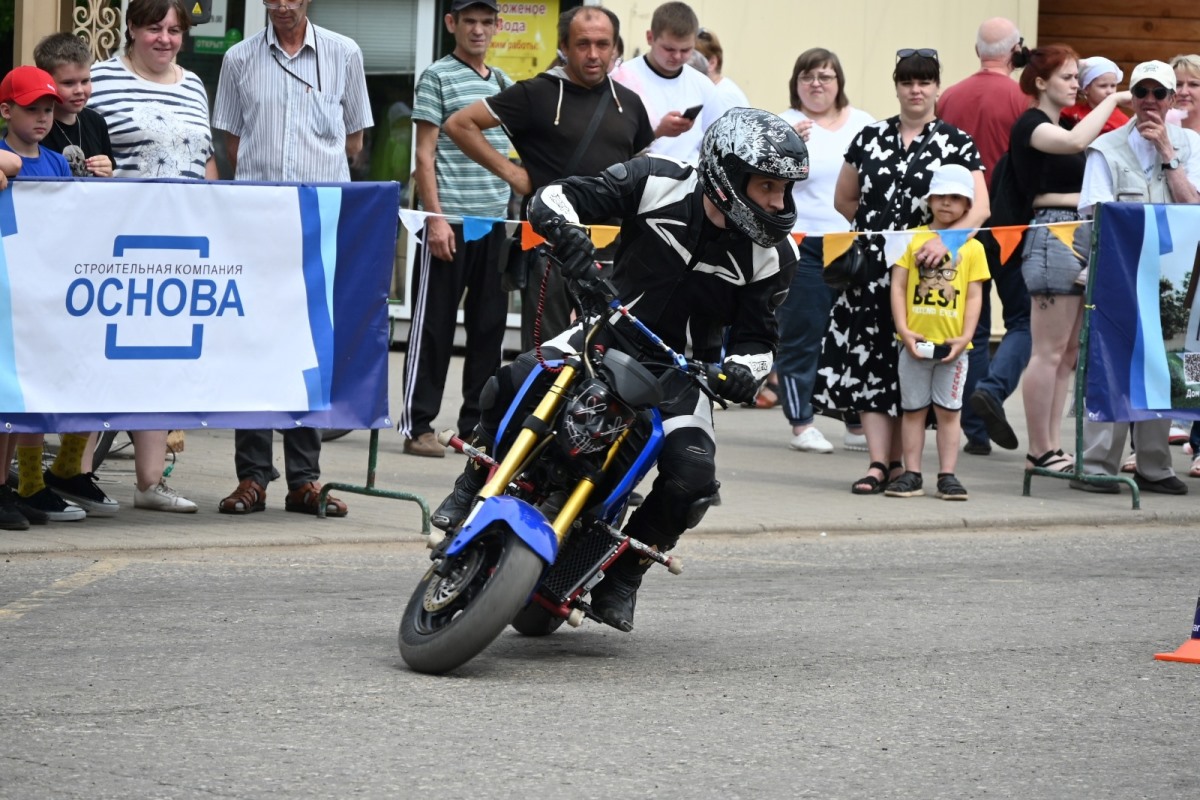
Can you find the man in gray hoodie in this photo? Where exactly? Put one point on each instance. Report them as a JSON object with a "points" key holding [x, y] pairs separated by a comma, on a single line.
{"points": [[572, 120]]}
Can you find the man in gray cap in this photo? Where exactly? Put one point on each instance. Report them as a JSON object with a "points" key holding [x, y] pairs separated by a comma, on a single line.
{"points": [[1144, 161]]}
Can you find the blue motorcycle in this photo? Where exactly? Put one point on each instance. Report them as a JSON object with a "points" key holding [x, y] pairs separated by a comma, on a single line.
{"points": [[580, 434]]}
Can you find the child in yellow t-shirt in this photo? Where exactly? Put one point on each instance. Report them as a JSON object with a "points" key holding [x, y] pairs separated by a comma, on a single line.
{"points": [[936, 308]]}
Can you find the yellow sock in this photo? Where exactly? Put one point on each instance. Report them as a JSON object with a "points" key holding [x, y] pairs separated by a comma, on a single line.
{"points": [[29, 469], [69, 461]]}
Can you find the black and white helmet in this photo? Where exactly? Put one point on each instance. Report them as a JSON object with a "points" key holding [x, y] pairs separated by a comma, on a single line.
{"points": [[745, 142]]}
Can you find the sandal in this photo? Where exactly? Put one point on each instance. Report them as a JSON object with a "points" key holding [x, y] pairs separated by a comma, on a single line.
{"points": [[896, 469], [874, 485], [306, 500], [1194, 472], [1051, 461], [1130, 464], [245, 499], [909, 484], [949, 487]]}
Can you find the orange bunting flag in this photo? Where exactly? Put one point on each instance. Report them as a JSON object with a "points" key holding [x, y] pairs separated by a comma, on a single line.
{"points": [[799, 237], [835, 244], [529, 239], [1008, 237], [604, 235], [1065, 233]]}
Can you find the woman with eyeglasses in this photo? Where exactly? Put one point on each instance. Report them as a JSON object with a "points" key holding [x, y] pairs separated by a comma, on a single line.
{"points": [[1047, 161], [157, 115], [881, 187], [820, 112]]}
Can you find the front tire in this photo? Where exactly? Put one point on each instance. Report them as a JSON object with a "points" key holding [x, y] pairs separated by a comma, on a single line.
{"points": [[448, 621]]}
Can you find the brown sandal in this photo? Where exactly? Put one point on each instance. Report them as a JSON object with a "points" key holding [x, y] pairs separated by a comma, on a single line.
{"points": [[306, 500], [246, 498]]}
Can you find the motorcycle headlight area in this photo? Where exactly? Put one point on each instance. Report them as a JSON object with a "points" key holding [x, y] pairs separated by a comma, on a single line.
{"points": [[593, 419]]}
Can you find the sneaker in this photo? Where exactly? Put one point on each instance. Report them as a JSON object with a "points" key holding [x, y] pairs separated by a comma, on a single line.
{"points": [[856, 442], [47, 502], [11, 519], [425, 445], [161, 497], [1178, 435], [83, 491], [810, 440]]}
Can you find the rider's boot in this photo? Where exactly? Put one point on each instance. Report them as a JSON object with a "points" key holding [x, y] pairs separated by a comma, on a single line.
{"points": [[614, 598], [454, 509]]}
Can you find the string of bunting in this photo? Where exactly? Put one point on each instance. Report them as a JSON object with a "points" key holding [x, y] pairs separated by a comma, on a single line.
{"points": [[833, 244]]}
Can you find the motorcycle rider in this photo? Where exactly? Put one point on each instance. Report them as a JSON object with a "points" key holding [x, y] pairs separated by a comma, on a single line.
{"points": [[704, 249]]}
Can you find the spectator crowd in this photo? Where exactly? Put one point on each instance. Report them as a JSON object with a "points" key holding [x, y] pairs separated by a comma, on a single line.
{"points": [[1038, 132]]}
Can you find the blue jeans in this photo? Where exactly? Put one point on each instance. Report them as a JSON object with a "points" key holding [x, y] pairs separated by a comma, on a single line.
{"points": [[1000, 374], [803, 319]]}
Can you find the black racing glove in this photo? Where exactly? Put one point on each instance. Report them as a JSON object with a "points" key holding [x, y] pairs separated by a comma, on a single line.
{"points": [[574, 249], [736, 383]]}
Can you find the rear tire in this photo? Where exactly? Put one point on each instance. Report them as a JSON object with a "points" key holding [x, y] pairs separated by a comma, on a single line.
{"points": [[448, 621], [535, 620]]}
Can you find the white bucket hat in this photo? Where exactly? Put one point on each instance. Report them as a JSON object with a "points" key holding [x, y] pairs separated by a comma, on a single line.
{"points": [[952, 179]]}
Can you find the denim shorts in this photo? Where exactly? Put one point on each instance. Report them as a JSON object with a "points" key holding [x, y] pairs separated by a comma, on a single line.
{"points": [[1048, 265]]}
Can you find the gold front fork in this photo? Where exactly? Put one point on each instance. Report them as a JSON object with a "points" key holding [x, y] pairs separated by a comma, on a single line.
{"points": [[527, 439]]}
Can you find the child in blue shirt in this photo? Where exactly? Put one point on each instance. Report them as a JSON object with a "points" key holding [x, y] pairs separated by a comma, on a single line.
{"points": [[27, 99]]}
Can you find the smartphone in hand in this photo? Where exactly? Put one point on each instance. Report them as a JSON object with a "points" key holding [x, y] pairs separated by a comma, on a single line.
{"points": [[692, 112]]}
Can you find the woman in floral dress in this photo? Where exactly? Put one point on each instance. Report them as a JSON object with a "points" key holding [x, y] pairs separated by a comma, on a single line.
{"points": [[880, 188]]}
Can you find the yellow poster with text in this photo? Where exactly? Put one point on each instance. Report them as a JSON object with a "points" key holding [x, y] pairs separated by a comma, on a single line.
{"points": [[526, 41]]}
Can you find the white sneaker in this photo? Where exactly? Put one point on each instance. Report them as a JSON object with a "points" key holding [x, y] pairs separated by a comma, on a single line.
{"points": [[811, 441], [161, 497], [1178, 435], [856, 442]]}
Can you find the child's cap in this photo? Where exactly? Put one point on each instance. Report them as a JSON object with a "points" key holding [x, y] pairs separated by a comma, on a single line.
{"points": [[25, 85], [952, 179]]}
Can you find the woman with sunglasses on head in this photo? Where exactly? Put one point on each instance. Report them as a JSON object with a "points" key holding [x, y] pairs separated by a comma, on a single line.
{"points": [[881, 187], [1048, 161], [820, 112]]}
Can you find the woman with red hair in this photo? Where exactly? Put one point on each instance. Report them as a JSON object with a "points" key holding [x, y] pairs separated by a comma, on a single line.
{"points": [[1048, 162]]}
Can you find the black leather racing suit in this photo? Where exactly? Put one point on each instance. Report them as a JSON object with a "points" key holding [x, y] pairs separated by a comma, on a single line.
{"points": [[678, 273]]}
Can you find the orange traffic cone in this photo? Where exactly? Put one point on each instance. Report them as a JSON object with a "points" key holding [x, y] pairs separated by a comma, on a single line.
{"points": [[1189, 651]]}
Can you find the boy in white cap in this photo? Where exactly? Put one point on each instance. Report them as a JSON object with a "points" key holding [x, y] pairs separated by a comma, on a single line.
{"points": [[936, 308]]}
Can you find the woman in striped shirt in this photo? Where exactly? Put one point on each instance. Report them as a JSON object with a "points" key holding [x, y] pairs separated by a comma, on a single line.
{"points": [[157, 112], [157, 115]]}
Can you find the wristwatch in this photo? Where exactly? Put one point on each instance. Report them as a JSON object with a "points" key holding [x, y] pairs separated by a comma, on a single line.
{"points": [[1172, 164]]}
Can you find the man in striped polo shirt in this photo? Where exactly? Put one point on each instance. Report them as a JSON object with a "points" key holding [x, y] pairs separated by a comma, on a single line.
{"points": [[293, 101], [448, 182]]}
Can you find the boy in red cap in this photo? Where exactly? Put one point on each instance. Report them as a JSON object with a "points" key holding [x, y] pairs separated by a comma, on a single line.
{"points": [[27, 100]]}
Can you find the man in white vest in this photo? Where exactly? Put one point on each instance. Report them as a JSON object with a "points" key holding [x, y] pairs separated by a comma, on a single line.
{"points": [[1144, 161]]}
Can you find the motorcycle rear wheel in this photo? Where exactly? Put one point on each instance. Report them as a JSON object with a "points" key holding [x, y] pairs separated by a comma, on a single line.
{"points": [[535, 620], [448, 621]]}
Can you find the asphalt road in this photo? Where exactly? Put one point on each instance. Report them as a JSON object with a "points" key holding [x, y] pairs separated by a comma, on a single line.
{"points": [[1001, 663]]}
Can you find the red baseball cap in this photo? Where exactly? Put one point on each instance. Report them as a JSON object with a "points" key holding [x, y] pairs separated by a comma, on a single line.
{"points": [[25, 85]]}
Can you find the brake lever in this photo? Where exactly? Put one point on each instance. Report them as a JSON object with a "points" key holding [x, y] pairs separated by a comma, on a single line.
{"points": [[704, 373]]}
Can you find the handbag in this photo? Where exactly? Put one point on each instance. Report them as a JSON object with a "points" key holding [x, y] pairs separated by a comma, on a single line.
{"points": [[850, 270], [853, 269]]}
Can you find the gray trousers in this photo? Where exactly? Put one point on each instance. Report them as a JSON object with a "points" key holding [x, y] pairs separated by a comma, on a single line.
{"points": [[253, 456], [1104, 444]]}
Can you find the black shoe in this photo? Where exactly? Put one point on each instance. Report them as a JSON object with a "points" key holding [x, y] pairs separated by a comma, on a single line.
{"points": [[32, 515], [1109, 487], [1167, 485], [990, 410], [615, 597], [11, 519], [453, 510], [977, 449]]}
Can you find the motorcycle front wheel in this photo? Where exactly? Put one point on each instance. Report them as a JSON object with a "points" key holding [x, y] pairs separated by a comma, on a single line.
{"points": [[450, 620]]}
